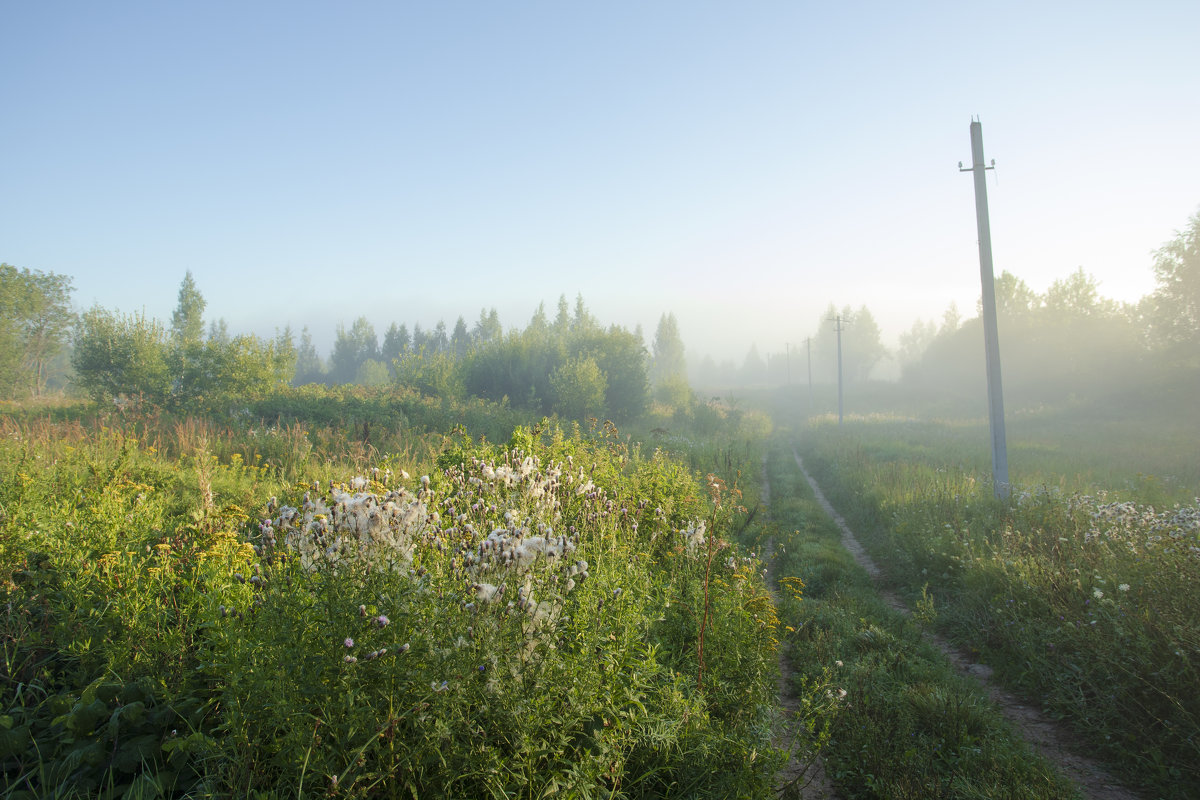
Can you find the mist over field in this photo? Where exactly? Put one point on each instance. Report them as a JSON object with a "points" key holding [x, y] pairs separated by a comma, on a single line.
{"points": [[481, 400], [741, 169]]}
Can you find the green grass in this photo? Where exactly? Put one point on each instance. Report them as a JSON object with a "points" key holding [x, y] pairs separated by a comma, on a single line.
{"points": [[171, 629], [901, 722], [1079, 594]]}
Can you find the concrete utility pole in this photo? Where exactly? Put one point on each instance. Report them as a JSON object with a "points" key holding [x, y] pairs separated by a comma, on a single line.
{"points": [[839, 326], [808, 344], [991, 336]]}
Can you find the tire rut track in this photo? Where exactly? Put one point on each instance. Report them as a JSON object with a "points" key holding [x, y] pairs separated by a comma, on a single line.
{"points": [[1046, 736], [807, 781]]}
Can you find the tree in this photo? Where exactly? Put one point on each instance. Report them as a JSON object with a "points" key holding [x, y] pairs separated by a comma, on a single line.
{"points": [[621, 356], [431, 373], [440, 340], [582, 320], [488, 328], [373, 373], [116, 355], [754, 369], [539, 323], [668, 368], [187, 323], [218, 373], [285, 351], [578, 388], [395, 342], [218, 331], [516, 366], [1176, 300], [951, 320], [35, 318], [863, 345], [309, 366], [1077, 295], [915, 341], [460, 340], [667, 362], [350, 349], [562, 320], [1013, 296]]}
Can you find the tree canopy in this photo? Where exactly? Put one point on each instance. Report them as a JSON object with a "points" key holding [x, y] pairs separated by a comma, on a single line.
{"points": [[187, 323], [1176, 300], [35, 321], [668, 361]]}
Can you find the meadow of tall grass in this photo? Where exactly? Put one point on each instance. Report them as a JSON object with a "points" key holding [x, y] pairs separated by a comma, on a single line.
{"points": [[285, 606], [1080, 592], [896, 719]]}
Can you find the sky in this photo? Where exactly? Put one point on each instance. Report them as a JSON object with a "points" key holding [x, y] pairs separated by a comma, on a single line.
{"points": [[740, 165]]}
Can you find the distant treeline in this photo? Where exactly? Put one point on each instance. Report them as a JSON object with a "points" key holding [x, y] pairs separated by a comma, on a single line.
{"points": [[571, 366], [1067, 341]]}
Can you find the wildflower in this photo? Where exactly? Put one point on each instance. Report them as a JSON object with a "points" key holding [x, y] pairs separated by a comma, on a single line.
{"points": [[404, 648], [348, 642], [1124, 587], [838, 664], [362, 611], [382, 621], [485, 592], [1098, 594], [443, 686], [350, 660]]}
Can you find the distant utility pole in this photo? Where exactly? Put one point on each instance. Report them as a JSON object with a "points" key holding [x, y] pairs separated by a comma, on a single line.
{"points": [[991, 336], [787, 347], [808, 344], [839, 325]]}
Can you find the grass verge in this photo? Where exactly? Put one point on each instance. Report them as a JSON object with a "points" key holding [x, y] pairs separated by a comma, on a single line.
{"points": [[900, 722]]}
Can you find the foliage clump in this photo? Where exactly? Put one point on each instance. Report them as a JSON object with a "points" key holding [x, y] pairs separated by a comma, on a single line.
{"points": [[521, 619]]}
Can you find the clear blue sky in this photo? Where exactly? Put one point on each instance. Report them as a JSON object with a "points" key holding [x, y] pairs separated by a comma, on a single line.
{"points": [[740, 164]]}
